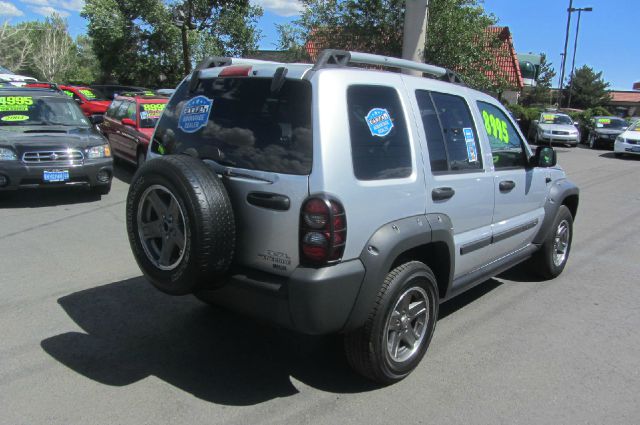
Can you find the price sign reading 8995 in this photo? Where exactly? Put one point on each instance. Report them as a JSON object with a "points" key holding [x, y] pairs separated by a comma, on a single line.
{"points": [[495, 127]]}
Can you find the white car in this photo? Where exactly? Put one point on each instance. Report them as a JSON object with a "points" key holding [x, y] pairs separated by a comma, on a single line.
{"points": [[553, 127], [629, 141], [8, 76]]}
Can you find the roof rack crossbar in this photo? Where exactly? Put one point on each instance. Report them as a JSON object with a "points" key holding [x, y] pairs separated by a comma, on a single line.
{"points": [[332, 57]]}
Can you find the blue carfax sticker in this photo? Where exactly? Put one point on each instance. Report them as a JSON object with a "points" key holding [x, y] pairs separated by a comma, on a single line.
{"points": [[195, 114], [472, 153], [379, 122]]}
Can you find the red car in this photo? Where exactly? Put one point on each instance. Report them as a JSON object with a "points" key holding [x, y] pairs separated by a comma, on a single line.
{"points": [[129, 124], [91, 101]]}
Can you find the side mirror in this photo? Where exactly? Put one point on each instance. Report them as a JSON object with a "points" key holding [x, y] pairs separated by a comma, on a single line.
{"points": [[545, 157], [96, 119], [78, 101], [129, 122], [534, 122]]}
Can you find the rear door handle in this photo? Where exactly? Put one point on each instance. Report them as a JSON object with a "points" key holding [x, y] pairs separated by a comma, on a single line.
{"points": [[272, 201], [442, 193], [507, 185]]}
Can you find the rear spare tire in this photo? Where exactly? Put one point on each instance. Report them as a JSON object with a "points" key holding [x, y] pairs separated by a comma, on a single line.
{"points": [[180, 223]]}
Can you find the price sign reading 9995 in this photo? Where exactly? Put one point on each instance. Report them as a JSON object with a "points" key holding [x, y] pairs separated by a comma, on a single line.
{"points": [[495, 127]]}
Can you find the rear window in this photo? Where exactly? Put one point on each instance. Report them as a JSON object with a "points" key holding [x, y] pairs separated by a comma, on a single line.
{"points": [[150, 113], [240, 122]]}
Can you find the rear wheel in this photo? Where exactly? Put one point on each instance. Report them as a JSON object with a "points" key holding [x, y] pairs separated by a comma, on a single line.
{"points": [[399, 328], [180, 224]]}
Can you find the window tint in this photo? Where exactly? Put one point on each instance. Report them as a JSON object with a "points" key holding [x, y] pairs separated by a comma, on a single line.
{"points": [[241, 122], [506, 146], [131, 111], [452, 139], [122, 110], [379, 138], [113, 108]]}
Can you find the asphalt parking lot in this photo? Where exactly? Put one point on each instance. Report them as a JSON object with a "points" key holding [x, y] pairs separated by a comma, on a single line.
{"points": [[86, 340]]}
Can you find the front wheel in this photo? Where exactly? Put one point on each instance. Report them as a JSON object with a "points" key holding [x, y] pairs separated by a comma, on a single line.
{"points": [[399, 329], [552, 257]]}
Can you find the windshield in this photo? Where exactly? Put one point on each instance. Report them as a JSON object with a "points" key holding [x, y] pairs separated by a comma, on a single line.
{"points": [[556, 119], [91, 94], [35, 110], [150, 113], [4, 70], [612, 123], [635, 126]]}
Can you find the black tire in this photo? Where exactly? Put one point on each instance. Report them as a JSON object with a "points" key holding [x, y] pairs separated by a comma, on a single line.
{"points": [[543, 262], [366, 348], [204, 222], [140, 158], [101, 190]]}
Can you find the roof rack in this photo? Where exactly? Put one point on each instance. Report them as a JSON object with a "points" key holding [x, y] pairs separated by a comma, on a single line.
{"points": [[340, 58]]}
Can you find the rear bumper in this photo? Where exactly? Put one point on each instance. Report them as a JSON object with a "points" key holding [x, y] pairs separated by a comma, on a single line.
{"points": [[311, 301], [19, 175]]}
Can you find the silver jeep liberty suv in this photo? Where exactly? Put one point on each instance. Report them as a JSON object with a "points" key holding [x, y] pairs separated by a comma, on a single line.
{"points": [[329, 198]]}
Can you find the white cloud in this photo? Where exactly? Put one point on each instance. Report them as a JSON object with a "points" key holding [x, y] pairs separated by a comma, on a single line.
{"points": [[48, 11], [75, 5], [9, 9], [281, 7], [38, 2]]}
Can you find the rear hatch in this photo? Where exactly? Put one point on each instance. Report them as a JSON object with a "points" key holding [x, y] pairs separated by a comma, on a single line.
{"points": [[259, 139]]}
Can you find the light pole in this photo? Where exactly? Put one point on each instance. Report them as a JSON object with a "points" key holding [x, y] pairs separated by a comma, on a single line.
{"points": [[575, 47], [415, 31], [564, 53]]}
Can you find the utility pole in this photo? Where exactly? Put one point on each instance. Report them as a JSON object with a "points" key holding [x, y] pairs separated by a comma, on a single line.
{"points": [[564, 53], [415, 31], [575, 47]]}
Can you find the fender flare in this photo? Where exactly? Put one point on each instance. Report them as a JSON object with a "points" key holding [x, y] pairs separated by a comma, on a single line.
{"points": [[386, 245], [559, 191]]}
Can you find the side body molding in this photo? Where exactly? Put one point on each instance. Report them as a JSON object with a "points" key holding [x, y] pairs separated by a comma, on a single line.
{"points": [[559, 191], [386, 245]]}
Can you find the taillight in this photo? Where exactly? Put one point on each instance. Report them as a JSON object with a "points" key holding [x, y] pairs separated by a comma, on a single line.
{"points": [[235, 71], [323, 231]]}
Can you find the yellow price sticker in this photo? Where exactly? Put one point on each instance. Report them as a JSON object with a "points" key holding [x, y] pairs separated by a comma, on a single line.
{"points": [[88, 93], [14, 118], [495, 127], [153, 106], [604, 120]]}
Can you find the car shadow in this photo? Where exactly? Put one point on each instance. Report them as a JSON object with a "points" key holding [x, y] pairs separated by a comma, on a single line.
{"points": [[37, 198], [132, 331], [611, 155], [123, 171]]}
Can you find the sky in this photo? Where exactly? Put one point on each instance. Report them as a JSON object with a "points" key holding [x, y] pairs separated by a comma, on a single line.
{"points": [[607, 35]]}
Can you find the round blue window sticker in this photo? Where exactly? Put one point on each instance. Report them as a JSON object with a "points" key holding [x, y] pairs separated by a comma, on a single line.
{"points": [[379, 122], [195, 114]]}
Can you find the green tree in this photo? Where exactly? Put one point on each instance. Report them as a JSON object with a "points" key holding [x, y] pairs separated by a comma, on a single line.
{"points": [[541, 93], [53, 54], [588, 89], [456, 35], [87, 68], [15, 46]]}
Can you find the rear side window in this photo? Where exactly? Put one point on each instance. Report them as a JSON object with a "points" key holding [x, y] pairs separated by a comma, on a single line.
{"points": [[121, 112], [113, 108], [452, 139], [506, 146], [379, 138], [242, 123]]}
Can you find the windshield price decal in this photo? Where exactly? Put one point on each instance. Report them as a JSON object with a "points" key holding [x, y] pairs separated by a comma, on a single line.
{"points": [[151, 110], [14, 118], [88, 93], [604, 120], [15, 103], [495, 127]]}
